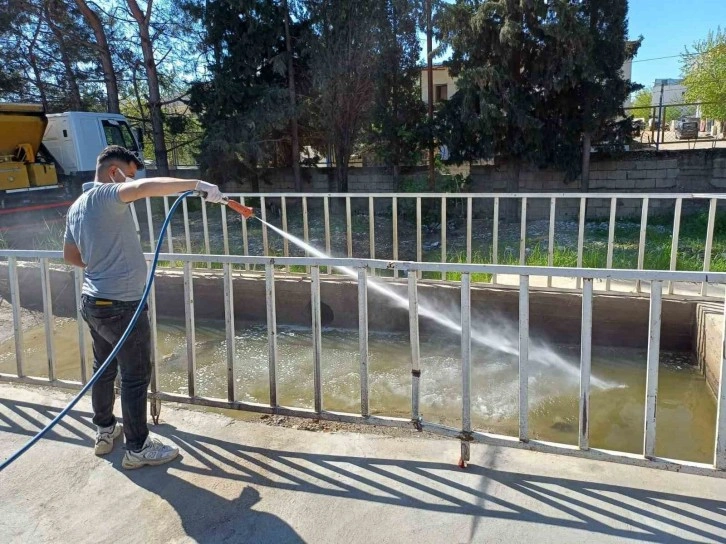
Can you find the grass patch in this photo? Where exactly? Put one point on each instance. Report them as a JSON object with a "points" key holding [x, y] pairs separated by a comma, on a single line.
{"points": [[656, 254]]}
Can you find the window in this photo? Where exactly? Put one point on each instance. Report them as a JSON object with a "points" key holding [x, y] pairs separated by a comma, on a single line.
{"points": [[441, 93], [119, 133]]}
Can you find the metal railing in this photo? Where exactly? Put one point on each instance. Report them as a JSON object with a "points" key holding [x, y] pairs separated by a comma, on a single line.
{"points": [[489, 209], [364, 269]]}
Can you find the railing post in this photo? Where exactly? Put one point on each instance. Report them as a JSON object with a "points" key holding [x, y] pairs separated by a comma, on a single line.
{"points": [[205, 227], [642, 240], [245, 236], [585, 364], [581, 235], [150, 224], [709, 243], [414, 339], [169, 235], [187, 233], [317, 338], [48, 317], [465, 368], [78, 283], [271, 331], [154, 384], [363, 339], [263, 216], [651, 383], [419, 254], [229, 330], [372, 229], [394, 220], [190, 329], [551, 239], [468, 228], [285, 242], [443, 234], [17, 319], [495, 237], [523, 234], [611, 238], [326, 218], [523, 358], [225, 233], [674, 242], [348, 227]]}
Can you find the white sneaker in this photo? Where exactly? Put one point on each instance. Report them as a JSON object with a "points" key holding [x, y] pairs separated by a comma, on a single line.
{"points": [[105, 437], [153, 453]]}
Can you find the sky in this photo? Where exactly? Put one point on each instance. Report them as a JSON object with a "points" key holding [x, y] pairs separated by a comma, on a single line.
{"points": [[667, 27]]}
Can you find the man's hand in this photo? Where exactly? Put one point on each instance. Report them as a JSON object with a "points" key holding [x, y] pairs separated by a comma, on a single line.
{"points": [[211, 192]]}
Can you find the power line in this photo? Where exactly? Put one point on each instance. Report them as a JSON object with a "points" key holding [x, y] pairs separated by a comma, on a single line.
{"points": [[669, 57]]}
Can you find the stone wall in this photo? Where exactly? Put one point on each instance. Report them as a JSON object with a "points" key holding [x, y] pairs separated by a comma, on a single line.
{"points": [[702, 171]]}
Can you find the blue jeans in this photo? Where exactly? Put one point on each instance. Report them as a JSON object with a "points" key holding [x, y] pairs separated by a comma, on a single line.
{"points": [[107, 321]]}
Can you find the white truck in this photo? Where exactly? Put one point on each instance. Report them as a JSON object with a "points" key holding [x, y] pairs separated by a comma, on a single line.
{"points": [[45, 158], [75, 138]]}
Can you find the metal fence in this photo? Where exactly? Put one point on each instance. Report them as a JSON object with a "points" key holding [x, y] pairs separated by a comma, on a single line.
{"points": [[658, 126], [365, 270], [357, 213]]}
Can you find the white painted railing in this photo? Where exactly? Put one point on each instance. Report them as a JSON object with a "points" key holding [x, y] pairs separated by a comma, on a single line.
{"points": [[469, 201], [364, 268]]}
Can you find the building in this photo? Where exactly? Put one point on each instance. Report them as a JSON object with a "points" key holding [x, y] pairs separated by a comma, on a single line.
{"points": [[445, 84], [673, 92]]}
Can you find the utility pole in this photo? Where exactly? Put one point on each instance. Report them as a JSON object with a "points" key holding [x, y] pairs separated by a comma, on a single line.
{"points": [[660, 118], [429, 59]]}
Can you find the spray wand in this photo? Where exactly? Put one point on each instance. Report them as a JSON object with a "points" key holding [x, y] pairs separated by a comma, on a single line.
{"points": [[244, 211]]}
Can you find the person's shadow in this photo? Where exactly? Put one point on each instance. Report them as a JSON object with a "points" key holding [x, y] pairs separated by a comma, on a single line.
{"points": [[207, 517]]}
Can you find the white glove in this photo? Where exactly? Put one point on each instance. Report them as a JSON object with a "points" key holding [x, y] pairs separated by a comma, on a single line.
{"points": [[210, 192]]}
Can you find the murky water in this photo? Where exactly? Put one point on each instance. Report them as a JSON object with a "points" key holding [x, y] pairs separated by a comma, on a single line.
{"points": [[686, 409]]}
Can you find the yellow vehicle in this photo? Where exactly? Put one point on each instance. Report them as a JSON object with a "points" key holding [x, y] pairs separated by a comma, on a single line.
{"points": [[25, 164]]}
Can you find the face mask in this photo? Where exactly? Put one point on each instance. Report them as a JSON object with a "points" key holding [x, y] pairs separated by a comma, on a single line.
{"points": [[113, 178]]}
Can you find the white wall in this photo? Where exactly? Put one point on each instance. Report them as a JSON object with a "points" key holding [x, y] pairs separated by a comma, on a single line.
{"points": [[441, 77]]}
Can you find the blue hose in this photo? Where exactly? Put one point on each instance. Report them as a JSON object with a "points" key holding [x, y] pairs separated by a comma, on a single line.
{"points": [[112, 355]]}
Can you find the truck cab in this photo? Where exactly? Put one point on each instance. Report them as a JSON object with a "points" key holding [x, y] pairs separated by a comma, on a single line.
{"points": [[76, 138], [46, 158]]}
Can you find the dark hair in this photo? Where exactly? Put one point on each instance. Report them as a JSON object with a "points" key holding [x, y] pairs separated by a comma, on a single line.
{"points": [[118, 153]]}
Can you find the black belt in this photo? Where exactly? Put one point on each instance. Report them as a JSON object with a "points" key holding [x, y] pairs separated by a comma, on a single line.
{"points": [[110, 303]]}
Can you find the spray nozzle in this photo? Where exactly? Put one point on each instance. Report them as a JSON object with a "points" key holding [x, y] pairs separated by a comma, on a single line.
{"points": [[244, 211]]}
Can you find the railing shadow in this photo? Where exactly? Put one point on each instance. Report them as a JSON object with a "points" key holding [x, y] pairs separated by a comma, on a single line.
{"points": [[626, 512]]}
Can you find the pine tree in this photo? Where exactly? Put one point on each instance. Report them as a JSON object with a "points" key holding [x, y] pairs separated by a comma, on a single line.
{"points": [[538, 79], [395, 132]]}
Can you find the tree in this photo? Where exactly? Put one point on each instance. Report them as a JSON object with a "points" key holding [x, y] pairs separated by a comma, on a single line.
{"points": [[46, 51], [540, 79], [395, 132], [143, 20], [244, 105], [642, 104], [294, 136], [704, 70], [343, 75], [11, 67], [103, 52]]}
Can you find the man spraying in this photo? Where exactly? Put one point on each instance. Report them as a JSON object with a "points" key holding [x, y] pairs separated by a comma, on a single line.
{"points": [[101, 238]]}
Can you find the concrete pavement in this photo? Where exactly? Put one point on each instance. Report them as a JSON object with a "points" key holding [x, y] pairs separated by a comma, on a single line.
{"points": [[244, 481]]}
